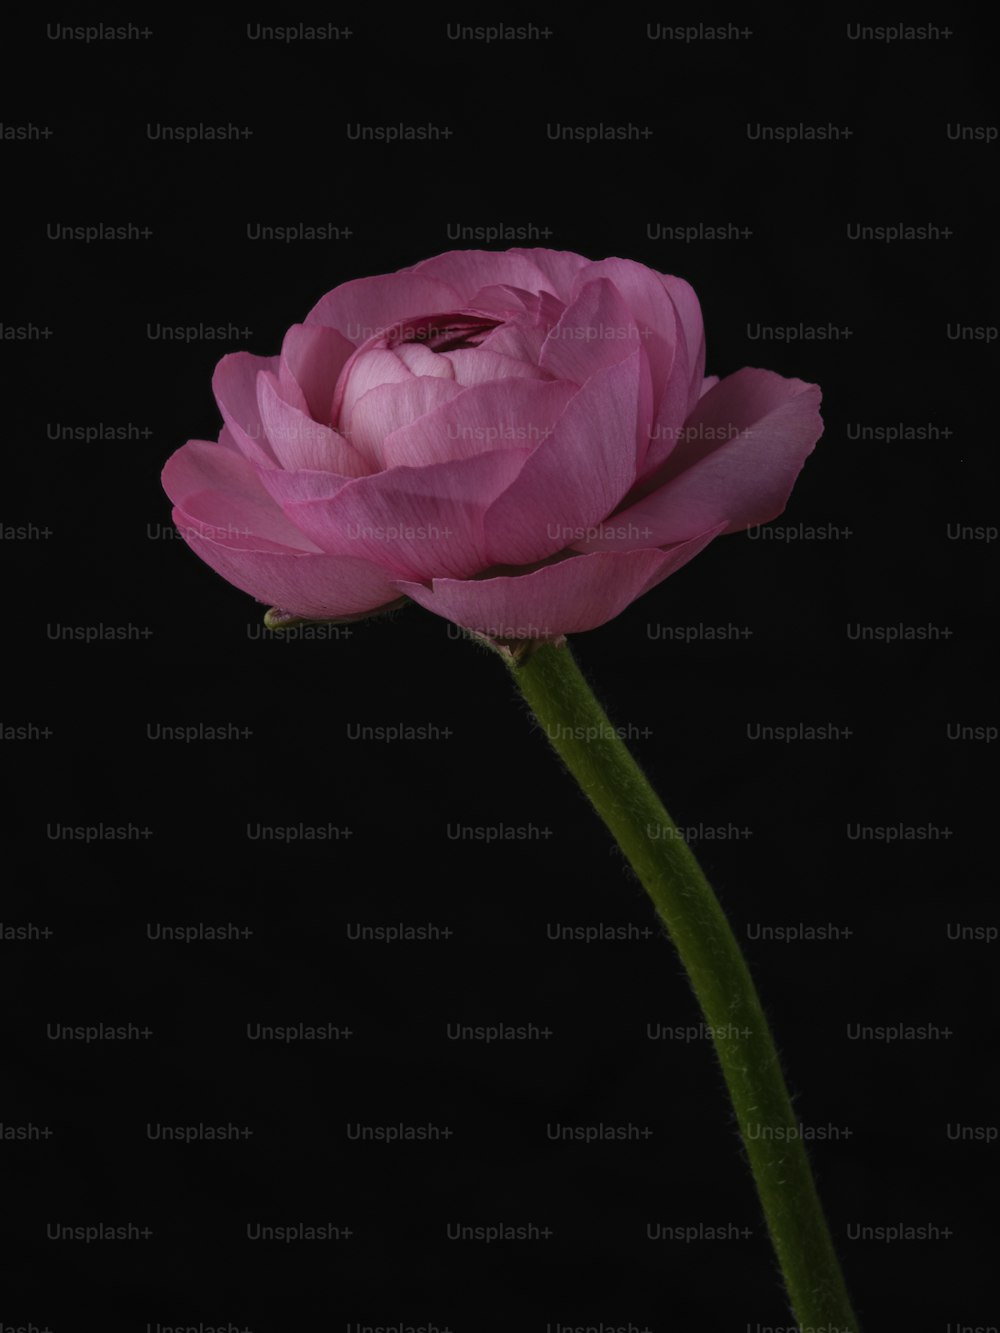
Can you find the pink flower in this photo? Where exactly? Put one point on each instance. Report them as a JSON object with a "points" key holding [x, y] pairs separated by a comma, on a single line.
{"points": [[523, 442]]}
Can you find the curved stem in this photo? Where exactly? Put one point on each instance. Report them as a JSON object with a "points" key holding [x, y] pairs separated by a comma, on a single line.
{"points": [[588, 744]]}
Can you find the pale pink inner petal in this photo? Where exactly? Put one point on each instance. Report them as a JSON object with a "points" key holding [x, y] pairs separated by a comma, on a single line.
{"points": [[384, 409], [500, 414], [420, 360], [364, 372]]}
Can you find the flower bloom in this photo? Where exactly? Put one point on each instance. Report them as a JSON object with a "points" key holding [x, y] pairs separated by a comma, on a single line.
{"points": [[522, 441]]}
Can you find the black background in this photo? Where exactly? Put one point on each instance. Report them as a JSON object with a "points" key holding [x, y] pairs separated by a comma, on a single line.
{"points": [[107, 559]]}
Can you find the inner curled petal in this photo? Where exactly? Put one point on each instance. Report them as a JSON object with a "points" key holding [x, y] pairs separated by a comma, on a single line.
{"points": [[441, 333]]}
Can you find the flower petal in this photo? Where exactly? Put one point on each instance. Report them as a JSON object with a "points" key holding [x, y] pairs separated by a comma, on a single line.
{"points": [[680, 393], [645, 293], [468, 270], [312, 585], [568, 597], [736, 463], [367, 307], [559, 266], [672, 411], [390, 406], [366, 370], [595, 330], [288, 488], [235, 387], [417, 522], [476, 365], [503, 299], [510, 413], [420, 360], [217, 486], [646, 297], [312, 359], [521, 338], [300, 442], [688, 310], [577, 475]]}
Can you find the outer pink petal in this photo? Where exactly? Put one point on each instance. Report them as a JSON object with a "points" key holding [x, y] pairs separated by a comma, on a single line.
{"points": [[306, 584], [688, 309], [235, 387], [312, 359], [216, 486], [512, 304], [559, 266], [289, 488], [468, 270], [390, 406], [300, 442], [521, 338], [415, 522], [677, 400], [569, 597], [576, 476], [672, 410], [645, 295], [595, 330], [501, 414], [367, 307], [503, 300], [743, 447]]}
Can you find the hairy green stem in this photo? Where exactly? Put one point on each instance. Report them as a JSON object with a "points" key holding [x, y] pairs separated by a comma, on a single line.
{"points": [[579, 730]]}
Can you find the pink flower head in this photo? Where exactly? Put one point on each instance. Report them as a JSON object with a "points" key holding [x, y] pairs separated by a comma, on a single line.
{"points": [[522, 441]]}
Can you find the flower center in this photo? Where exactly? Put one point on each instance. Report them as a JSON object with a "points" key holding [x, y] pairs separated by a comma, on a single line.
{"points": [[442, 333]]}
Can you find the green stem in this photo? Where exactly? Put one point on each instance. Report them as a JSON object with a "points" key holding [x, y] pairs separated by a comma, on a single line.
{"points": [[585, 740]]}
